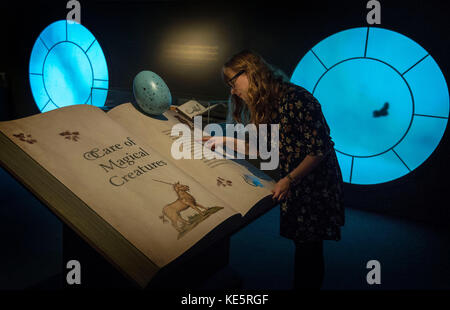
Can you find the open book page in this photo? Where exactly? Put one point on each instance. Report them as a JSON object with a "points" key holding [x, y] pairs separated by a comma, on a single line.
{"points": [[119, 175], [241, 186]]}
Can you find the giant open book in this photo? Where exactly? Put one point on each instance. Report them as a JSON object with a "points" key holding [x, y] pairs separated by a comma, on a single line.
{"points": [[111, 177]]}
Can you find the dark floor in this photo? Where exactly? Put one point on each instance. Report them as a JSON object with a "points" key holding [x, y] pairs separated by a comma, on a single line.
{"points": [[412, 256]]}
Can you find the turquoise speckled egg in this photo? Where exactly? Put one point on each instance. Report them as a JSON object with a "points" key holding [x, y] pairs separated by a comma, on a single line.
{"points": [[151, 93]]}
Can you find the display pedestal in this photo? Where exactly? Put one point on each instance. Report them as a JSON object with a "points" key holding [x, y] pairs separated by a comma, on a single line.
{"points": [[203, 266], [96, 272]]}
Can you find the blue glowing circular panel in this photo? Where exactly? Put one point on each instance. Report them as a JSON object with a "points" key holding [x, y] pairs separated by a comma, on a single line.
{"points": [[67, 67], [384, 97]]}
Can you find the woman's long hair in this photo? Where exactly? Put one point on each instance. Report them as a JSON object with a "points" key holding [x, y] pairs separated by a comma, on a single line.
{"points": [[264, 90]]}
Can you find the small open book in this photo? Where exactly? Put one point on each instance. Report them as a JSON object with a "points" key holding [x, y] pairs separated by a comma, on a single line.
{"points": [[193, 108]]}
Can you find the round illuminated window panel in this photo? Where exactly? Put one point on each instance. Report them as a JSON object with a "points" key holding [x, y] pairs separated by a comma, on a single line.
{"points": [[67, 67], [384, 98]]}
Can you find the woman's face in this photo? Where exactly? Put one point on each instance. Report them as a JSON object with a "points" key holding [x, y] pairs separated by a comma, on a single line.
{"points": [[238, 85]]}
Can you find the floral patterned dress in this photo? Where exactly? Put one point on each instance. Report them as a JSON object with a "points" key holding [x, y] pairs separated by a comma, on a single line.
{"points": [[313, 209]]}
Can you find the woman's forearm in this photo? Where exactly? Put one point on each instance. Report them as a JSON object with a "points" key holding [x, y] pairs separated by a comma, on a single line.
{"points": [[303, 169], [240, 146], [306, 166]]}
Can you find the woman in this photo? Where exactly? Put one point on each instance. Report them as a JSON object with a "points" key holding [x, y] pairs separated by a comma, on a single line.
{"points": [[310, 183]]}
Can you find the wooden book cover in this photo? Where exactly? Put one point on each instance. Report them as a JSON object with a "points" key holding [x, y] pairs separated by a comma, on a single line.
{"points": [[111, 177]]}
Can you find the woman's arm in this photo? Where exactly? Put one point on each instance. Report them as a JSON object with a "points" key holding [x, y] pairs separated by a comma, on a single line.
{"points": [[305, 111], [303, 169], [232, 143]]}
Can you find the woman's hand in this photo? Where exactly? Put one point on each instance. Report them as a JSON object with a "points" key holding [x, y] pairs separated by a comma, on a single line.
{"points": [[281, 189], [213, 142]]}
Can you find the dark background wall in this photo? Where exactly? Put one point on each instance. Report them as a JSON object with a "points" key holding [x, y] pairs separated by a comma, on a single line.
{"points": [[135, 35]]}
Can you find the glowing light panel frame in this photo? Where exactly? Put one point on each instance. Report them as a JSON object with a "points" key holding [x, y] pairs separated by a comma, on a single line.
{"points": [[353, 73], [67, 67]]}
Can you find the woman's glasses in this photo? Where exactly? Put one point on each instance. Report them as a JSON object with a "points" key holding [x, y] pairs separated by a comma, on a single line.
{"points": [[231, 81]]}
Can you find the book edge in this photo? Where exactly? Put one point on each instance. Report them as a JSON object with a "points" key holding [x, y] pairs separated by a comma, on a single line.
{"points": [[91, 227]]}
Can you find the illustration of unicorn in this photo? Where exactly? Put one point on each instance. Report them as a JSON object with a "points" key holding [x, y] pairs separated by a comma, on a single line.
{"points": [[184, 202]]}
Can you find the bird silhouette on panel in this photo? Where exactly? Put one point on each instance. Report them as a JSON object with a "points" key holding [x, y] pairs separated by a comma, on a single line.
{"points": [[383, 111]]}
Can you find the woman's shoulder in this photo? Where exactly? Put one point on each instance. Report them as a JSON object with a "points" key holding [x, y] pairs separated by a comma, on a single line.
{"points": [[293, 92], [291, 87]]}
